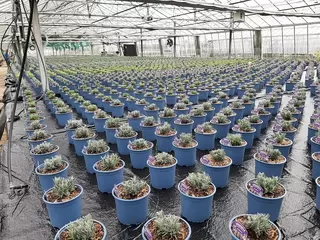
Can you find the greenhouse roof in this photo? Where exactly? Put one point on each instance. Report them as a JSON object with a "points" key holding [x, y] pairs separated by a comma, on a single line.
{"points": [[107, 20]]}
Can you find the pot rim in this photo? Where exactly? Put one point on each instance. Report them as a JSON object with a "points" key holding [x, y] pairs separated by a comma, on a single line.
{"points": [[43, 154], [221, 123], [50, 174], [253, 131], [95, 154], [186, 147], [141, 150], [212, 194], [157, 167], [208, 165], [183, 123], [44, 127], [265, 198], [234, 146], [135, 135], [115, 170], [33, 141], [164, 136], [83, 139], [267, 163], [317, 181], [130, 200], [59, 203]]}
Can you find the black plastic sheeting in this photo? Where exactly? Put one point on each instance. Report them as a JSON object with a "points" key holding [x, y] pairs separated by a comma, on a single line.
{"points": [[25, 216]]}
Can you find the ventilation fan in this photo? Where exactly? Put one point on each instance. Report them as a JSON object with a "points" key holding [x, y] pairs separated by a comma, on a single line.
{"points": [[169, 42]]}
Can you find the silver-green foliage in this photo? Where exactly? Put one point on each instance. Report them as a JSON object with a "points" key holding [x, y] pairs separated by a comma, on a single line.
{"points": [[39, 135], [134, 114], [63, 187], [97, 146], [152, 107], [74, 123], [43, 148], [167, 226], [149, 121], [206, 106], [219, 155], [110, 162], [35, 125], [113, 123], [140, 143], [185, 139], [197, 111], [53, 163], [133, 186], [164, 158], [259, 224], [269, 184], [167, 112], [185, 118], [82, 229], [91, 108], [221, 118], [126, 131], [82, 132], [180, 105], [101, 114], [165, 129], [244, 125], [199, 181], [235, 139]]}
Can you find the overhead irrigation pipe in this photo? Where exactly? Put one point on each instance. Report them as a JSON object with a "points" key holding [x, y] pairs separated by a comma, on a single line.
{"points": [[24, 59]]}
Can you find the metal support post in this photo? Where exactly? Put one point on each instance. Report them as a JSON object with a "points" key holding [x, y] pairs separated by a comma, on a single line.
{"points": [[282, 42], [160, 47], [257, 43], [141, 42], [308, 39], [39, 48], [242, 44], [230, 43], [174, 41], [271, 44], [197, 45], [294, 40]]}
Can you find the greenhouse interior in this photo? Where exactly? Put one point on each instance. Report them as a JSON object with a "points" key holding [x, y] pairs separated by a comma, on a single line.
{"points": [[160, 120]]}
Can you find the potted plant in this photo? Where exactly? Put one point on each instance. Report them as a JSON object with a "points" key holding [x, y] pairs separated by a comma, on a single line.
{"points": [[217, 165], [269, 161], [131, 199], [140, 104], [286, 115], [93, 152], [162, 168], [286, 128], [234, 146], [205, 136], [313, 128], [151, 110], [63, 114], [165, 135], [198, 116], [167, 115], [208, 109], [180, 108], [318, 193], [193, 96], [140, 150], [109, 172], [83, 108], [123, 136], [43, 151], [80, 138], [71, 126], [279, 141], [217, 105], [83, 228], [131, 103], [106, 103], [231, 115], [266, 104], [315, 143], [253, 226], [35, 125], [196, 196], [99, 119], [248, 105], [117, 108], [112, 124], [183, 124], [89, 113], [186, 101], [39, 136], [159, 101], [223, 97], [148, 128], [244, 128], [134, 120], [265, 195], [221, 123], [238, 109], [185, 149], [63, 201], [264, 115], [51, 168], [171, 97], [166, 227], [256, 123]]}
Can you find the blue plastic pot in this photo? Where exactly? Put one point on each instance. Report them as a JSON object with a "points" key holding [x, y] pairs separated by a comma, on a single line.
{"points": [[219, 174], [46, 180], [106, 106], [269, 169], [70, 132], [91, 159], [107, 179], [285, 150], [164, 142], [131, 105], [63, 118], [110, 132], [33, 144], [233, 237], [259, 204], [290, 134], [181, 111], [122, 144], [203, 95], [289, 86], [194, 98], [139, 158], [222, 129], [318, 193], [38, 159], [171, 99], [62, 213], [224, 102], [271, 110], [247, 136], [89, 117], [80, 143], [104, 237], [152, 113], [265, 118], [196, 209], [210, 114], [131, 211], [185, 156], [311, 133], [313, 90], [276, 106], [239, 113], [99, 124], [206, 141], [241, 92], [162, 177], [148, 132], [315, 166], [30, 132], [198, 120], [257, 126], [315, 147], [232, 118], [140, 107], [117, 110], [269, 88], [217, 107], [159, 103], [169, 120], [183, 128], [236, 153], [148, 222], [247, 109], [135, 123]]}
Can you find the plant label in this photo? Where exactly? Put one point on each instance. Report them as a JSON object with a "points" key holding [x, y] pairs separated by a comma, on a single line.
{"points": [[256, 189], [116, 190], [152, 160], [147, 233], [239, 230], [205, 159], [184, 187]]}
